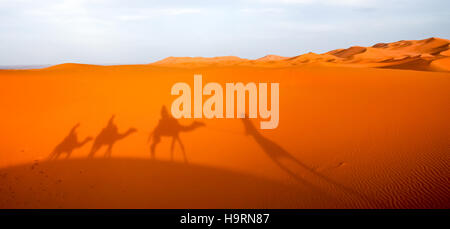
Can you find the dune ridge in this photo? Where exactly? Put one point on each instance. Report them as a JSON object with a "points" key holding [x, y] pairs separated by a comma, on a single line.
{"points": [[432, 54], [199, 61]]}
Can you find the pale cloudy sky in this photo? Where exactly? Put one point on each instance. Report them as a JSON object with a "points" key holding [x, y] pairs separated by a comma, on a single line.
{"points": [[141, 31]]}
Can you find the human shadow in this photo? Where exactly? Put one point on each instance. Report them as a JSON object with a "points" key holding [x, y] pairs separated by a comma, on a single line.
{"points": [[170, 127], [276, 153], [68, 144], [108, 137]]}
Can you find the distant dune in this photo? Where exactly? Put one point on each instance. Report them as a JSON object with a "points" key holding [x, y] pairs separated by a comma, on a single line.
{"points": [[271, 58], [442, 64], [71, 66], [423, 55], [200, 61], [311, 58], [432, 54]]}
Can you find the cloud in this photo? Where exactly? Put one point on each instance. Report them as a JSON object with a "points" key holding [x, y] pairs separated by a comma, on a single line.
{"points": [[70, 21], [305, 27], [67, 8], [364, 3], [261, 10], [143, 14]]}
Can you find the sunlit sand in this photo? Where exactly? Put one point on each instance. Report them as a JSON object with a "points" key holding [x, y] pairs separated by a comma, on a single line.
{"points": [[363, 127]]}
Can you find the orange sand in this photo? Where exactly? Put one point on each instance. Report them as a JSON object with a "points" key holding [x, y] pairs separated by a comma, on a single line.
{"points": [[362, 138]]}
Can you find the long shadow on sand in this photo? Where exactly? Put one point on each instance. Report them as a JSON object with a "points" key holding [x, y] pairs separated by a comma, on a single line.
{"points": [[108, 137], [68, 144], [276, 153], [170, 127]]}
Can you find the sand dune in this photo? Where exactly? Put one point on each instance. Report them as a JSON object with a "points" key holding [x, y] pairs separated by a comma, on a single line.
{"points": [[360, 137], [406, 54], [412, 55], [356, 131], [311, 58], [348, 53], [199, 61], [442, 64], [72, 66], [268, 58], [423, 55]]}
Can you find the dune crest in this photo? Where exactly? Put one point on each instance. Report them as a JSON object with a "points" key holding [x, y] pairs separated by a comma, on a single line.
{"points": [[199, 61], [71, 66], [404, 54], [271, 58], [422, 55]]}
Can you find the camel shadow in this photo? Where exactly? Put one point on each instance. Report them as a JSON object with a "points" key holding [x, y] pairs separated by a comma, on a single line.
{"points": [[68, 144], [108, 137], [276, 153], [170, 127]]}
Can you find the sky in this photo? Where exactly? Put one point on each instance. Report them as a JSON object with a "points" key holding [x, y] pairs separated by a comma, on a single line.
{"points": [[48, 32]]}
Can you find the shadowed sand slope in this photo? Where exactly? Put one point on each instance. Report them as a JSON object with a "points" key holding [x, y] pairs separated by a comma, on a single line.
{"points": [[140, 183]]}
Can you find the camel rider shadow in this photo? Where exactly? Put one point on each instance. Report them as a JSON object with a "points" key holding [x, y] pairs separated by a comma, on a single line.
{"points": [[107, 137], [68, 144], [170, 127]]}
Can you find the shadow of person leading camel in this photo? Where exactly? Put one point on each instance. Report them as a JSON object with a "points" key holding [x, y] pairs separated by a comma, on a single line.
{"points": [[108, 137], [276, 153], [68, 144], [170, 127]]}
